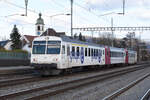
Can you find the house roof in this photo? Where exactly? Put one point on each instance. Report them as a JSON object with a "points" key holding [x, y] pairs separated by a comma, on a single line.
{"points": [[3, 43], [52, 32], [29, 38]]}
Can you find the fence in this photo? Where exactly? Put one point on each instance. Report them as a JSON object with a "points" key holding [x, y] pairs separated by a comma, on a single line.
{"points": [[14, 55], [14, 59]]}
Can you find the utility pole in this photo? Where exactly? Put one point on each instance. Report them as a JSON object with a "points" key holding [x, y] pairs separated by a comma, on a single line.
{"points": [[112, 32], [123, 7], [71, 18], [26, 4], [139, 46], [92, 35]]}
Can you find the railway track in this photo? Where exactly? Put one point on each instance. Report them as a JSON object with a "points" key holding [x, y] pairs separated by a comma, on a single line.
{"points": [[51, 90], [126, 88], [146, 96], [17, 81]]}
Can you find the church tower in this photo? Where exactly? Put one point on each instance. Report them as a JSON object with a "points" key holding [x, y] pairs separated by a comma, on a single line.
{"points": [[39, 25]]}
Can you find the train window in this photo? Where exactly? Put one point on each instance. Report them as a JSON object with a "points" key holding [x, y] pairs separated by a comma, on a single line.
{"points": [[39, 42], [89, 52], [63, 49], [116, 54], [38, 49], [73, 51], [78, 51], [103, 52], [122, 54], [54, 42], [96, 52], [99, 53], [92, 52], [68, 50], [85, 51], [111, 54], [42, 28]]}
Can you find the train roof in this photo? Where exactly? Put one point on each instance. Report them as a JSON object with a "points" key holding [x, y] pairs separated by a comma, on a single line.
{"points": [[131, 51], [69, 39], [116, 49]]}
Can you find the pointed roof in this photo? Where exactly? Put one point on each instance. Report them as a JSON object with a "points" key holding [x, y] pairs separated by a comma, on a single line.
{"points": [[29, 38], [40, 20]]}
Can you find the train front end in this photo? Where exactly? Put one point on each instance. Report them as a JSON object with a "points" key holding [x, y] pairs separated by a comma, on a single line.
{"points": [[45, 56]]}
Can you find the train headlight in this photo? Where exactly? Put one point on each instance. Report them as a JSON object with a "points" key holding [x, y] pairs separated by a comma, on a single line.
{"points": [[34, 60], [55, 59]]}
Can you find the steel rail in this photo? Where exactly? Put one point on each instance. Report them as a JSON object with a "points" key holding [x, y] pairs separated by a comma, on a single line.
{"points": [[94, 80], [12, 82], [74, 84], [124, 89], [81, 82], [146, 95]]}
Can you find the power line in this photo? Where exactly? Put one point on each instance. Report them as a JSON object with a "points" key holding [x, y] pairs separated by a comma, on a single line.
{"points": [[10, 3], [59, 4], [89, 11], [107, 5]]}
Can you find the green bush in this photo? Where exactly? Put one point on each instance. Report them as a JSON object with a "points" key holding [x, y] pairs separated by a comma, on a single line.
{"points": [[13, 51]]}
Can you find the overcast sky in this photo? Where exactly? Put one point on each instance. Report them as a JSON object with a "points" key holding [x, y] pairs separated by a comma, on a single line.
{"points": [[86, 13]]}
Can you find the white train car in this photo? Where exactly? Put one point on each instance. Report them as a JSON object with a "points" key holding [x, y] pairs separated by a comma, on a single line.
{"points": [[117, 55], [52, 55], [132, 57]]}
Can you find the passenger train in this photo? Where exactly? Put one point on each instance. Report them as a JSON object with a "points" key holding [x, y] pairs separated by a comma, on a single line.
{"points": [[51, 55]]}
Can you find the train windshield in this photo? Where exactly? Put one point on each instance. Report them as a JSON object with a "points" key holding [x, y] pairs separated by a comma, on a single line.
{"points": [[39, 47], [53, 47], [50, 47]]}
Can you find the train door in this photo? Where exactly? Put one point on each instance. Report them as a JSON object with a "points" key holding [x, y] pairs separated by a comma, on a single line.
{"points": [[107, 56], [63, 57], [108, 53], [126, 56], [68, 56]]}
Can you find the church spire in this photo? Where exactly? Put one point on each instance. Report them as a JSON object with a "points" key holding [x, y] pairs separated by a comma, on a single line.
{"points": [[39, 25]]}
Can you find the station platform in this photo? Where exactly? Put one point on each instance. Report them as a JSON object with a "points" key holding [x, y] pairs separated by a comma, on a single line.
{"points": [[15, 70]]}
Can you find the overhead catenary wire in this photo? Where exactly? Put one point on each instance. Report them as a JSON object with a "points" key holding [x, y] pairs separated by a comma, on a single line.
{"points": [[90, 12], [33, 11], [13, 4], [62, 6], [93, 13], [44, 14]]}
